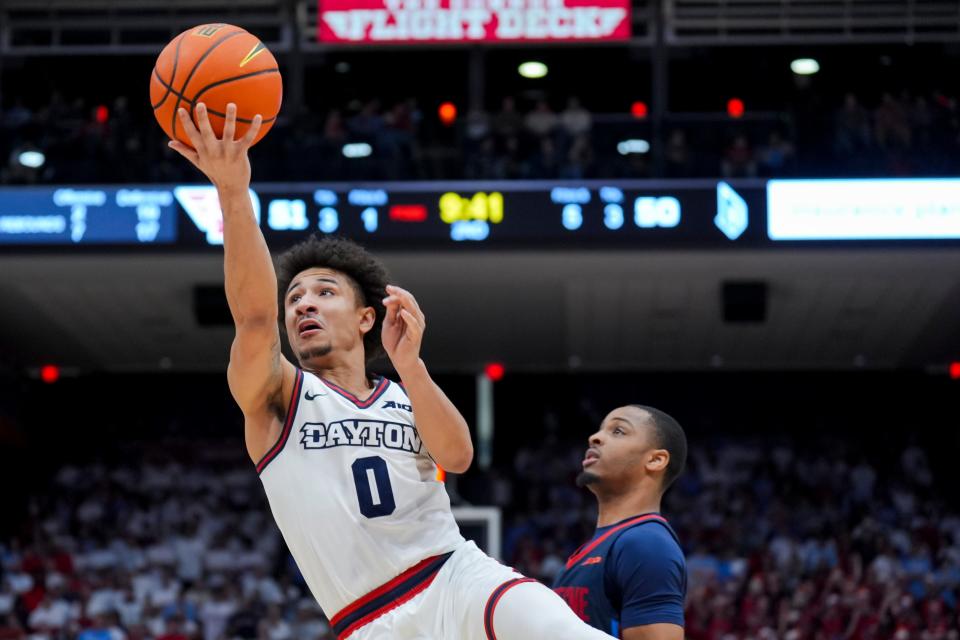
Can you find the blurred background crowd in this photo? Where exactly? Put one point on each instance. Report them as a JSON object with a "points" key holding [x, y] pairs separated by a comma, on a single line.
{"points": [[891, 133], [789, 533]]}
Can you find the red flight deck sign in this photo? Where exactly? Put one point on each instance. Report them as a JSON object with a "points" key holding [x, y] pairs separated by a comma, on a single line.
{"points": [[472, 21]]}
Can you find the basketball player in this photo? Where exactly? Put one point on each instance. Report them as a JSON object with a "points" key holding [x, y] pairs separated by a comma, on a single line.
{"points": [[630, 579], [349, 474]]}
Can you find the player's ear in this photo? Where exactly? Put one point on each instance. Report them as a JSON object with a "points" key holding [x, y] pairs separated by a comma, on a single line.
{"points": [[368, 316], [657, 460]]}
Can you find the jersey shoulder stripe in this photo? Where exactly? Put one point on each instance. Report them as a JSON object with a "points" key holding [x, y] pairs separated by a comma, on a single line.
{"points": [[287, 424], [583, 551]]}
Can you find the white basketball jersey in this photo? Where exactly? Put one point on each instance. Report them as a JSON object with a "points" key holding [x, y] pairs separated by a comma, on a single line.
{"points": [[354, 491]]}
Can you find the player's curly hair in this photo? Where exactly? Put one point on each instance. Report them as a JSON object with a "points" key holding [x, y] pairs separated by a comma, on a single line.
{"points": [[366, 274]]}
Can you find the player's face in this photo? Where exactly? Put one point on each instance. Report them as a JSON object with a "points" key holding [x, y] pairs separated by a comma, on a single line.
{"points": [[620, 450], [322, 315]]}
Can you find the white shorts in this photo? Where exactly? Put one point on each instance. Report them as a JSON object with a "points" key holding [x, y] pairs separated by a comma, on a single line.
{"points": [[471, 597]]}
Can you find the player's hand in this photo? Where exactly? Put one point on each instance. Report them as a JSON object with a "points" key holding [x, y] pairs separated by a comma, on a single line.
{"points": [[223, 160], [403, 329]]}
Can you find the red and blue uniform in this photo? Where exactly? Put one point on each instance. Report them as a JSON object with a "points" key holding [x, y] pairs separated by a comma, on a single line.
{"points": [[630, 574]]}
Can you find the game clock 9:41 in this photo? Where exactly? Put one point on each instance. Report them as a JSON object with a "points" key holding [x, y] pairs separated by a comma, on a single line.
{"points": [[480, 206]]}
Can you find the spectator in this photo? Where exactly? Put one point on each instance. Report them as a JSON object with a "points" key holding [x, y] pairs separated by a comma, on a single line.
{"points": [[17, 116], [576, 120], [776, 157], [215, 612], [189, 549], [10, 628], [274, 627], [334, 129], [245, 621], [104, 627], [853, 128], [174, 630], [542, 121], [49, 615], [738, 159], [368, 124], [891, 124], [477, 126], [579, 158], [310, 623], [508, 122], [679, 163]]}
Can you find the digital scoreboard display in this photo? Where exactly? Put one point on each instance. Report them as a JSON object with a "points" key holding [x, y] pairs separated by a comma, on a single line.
{"points": [[80, 215], [824, 210], [522, 214], [651, 214]]}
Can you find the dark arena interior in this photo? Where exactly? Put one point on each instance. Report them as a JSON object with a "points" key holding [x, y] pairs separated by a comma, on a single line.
{"points": [[745, 213]]}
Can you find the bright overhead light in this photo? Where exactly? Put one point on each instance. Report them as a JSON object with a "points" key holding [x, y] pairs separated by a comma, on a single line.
{"points": [[357, 150], [805, 66], [532, 69], [31, 159], [627, 147]]}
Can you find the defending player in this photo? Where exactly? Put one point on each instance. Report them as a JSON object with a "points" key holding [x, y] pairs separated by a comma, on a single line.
{"points": [[350, 476], [630, 579]]}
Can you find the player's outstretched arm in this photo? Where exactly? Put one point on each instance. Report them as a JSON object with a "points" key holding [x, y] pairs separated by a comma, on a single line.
{"points": [[257, 369], [443, 429]]}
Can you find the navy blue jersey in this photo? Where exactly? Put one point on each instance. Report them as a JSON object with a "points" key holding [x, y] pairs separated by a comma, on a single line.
{"points": [[629, 574]]}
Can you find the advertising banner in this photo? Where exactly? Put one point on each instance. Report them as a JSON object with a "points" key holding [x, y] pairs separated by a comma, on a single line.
{"points": [[472, 21]]}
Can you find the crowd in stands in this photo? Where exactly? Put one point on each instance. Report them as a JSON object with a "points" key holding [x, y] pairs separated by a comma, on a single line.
{"points": [[169, 547], [785, 540], [895, 135], [900, 135]]}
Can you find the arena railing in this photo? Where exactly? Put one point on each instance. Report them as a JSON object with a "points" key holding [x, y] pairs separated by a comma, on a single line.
{"points": [[750, 22], [124, 27], [64, 27]]}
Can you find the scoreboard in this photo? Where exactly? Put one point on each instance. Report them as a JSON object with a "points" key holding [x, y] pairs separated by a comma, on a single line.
{"points": [[82, 215], [517, 214]]}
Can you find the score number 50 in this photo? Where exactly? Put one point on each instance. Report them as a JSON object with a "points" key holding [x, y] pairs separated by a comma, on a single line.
{"points": [[648, 213]]}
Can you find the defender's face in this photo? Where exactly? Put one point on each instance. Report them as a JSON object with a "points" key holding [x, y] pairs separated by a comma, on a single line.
{"points": [[619, 448], [322, 314]]}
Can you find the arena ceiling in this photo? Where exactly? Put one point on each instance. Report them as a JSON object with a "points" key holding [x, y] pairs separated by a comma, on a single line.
{"points": [[547, 311]]}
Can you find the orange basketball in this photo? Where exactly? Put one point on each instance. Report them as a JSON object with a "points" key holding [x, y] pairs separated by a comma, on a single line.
{"points": [[216, 64]]}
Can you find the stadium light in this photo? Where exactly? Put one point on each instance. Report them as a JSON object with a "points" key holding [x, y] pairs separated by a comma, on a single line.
{"points": [[735, 108], [49, 373], [31, 159], [494, 371], [805, 66], [357, 150], [532, 69], [626, 147], [448, 113]]}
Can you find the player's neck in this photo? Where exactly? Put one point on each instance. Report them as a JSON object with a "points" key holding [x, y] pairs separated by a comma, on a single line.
{"points": [[349, 375], [614, 508]]}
